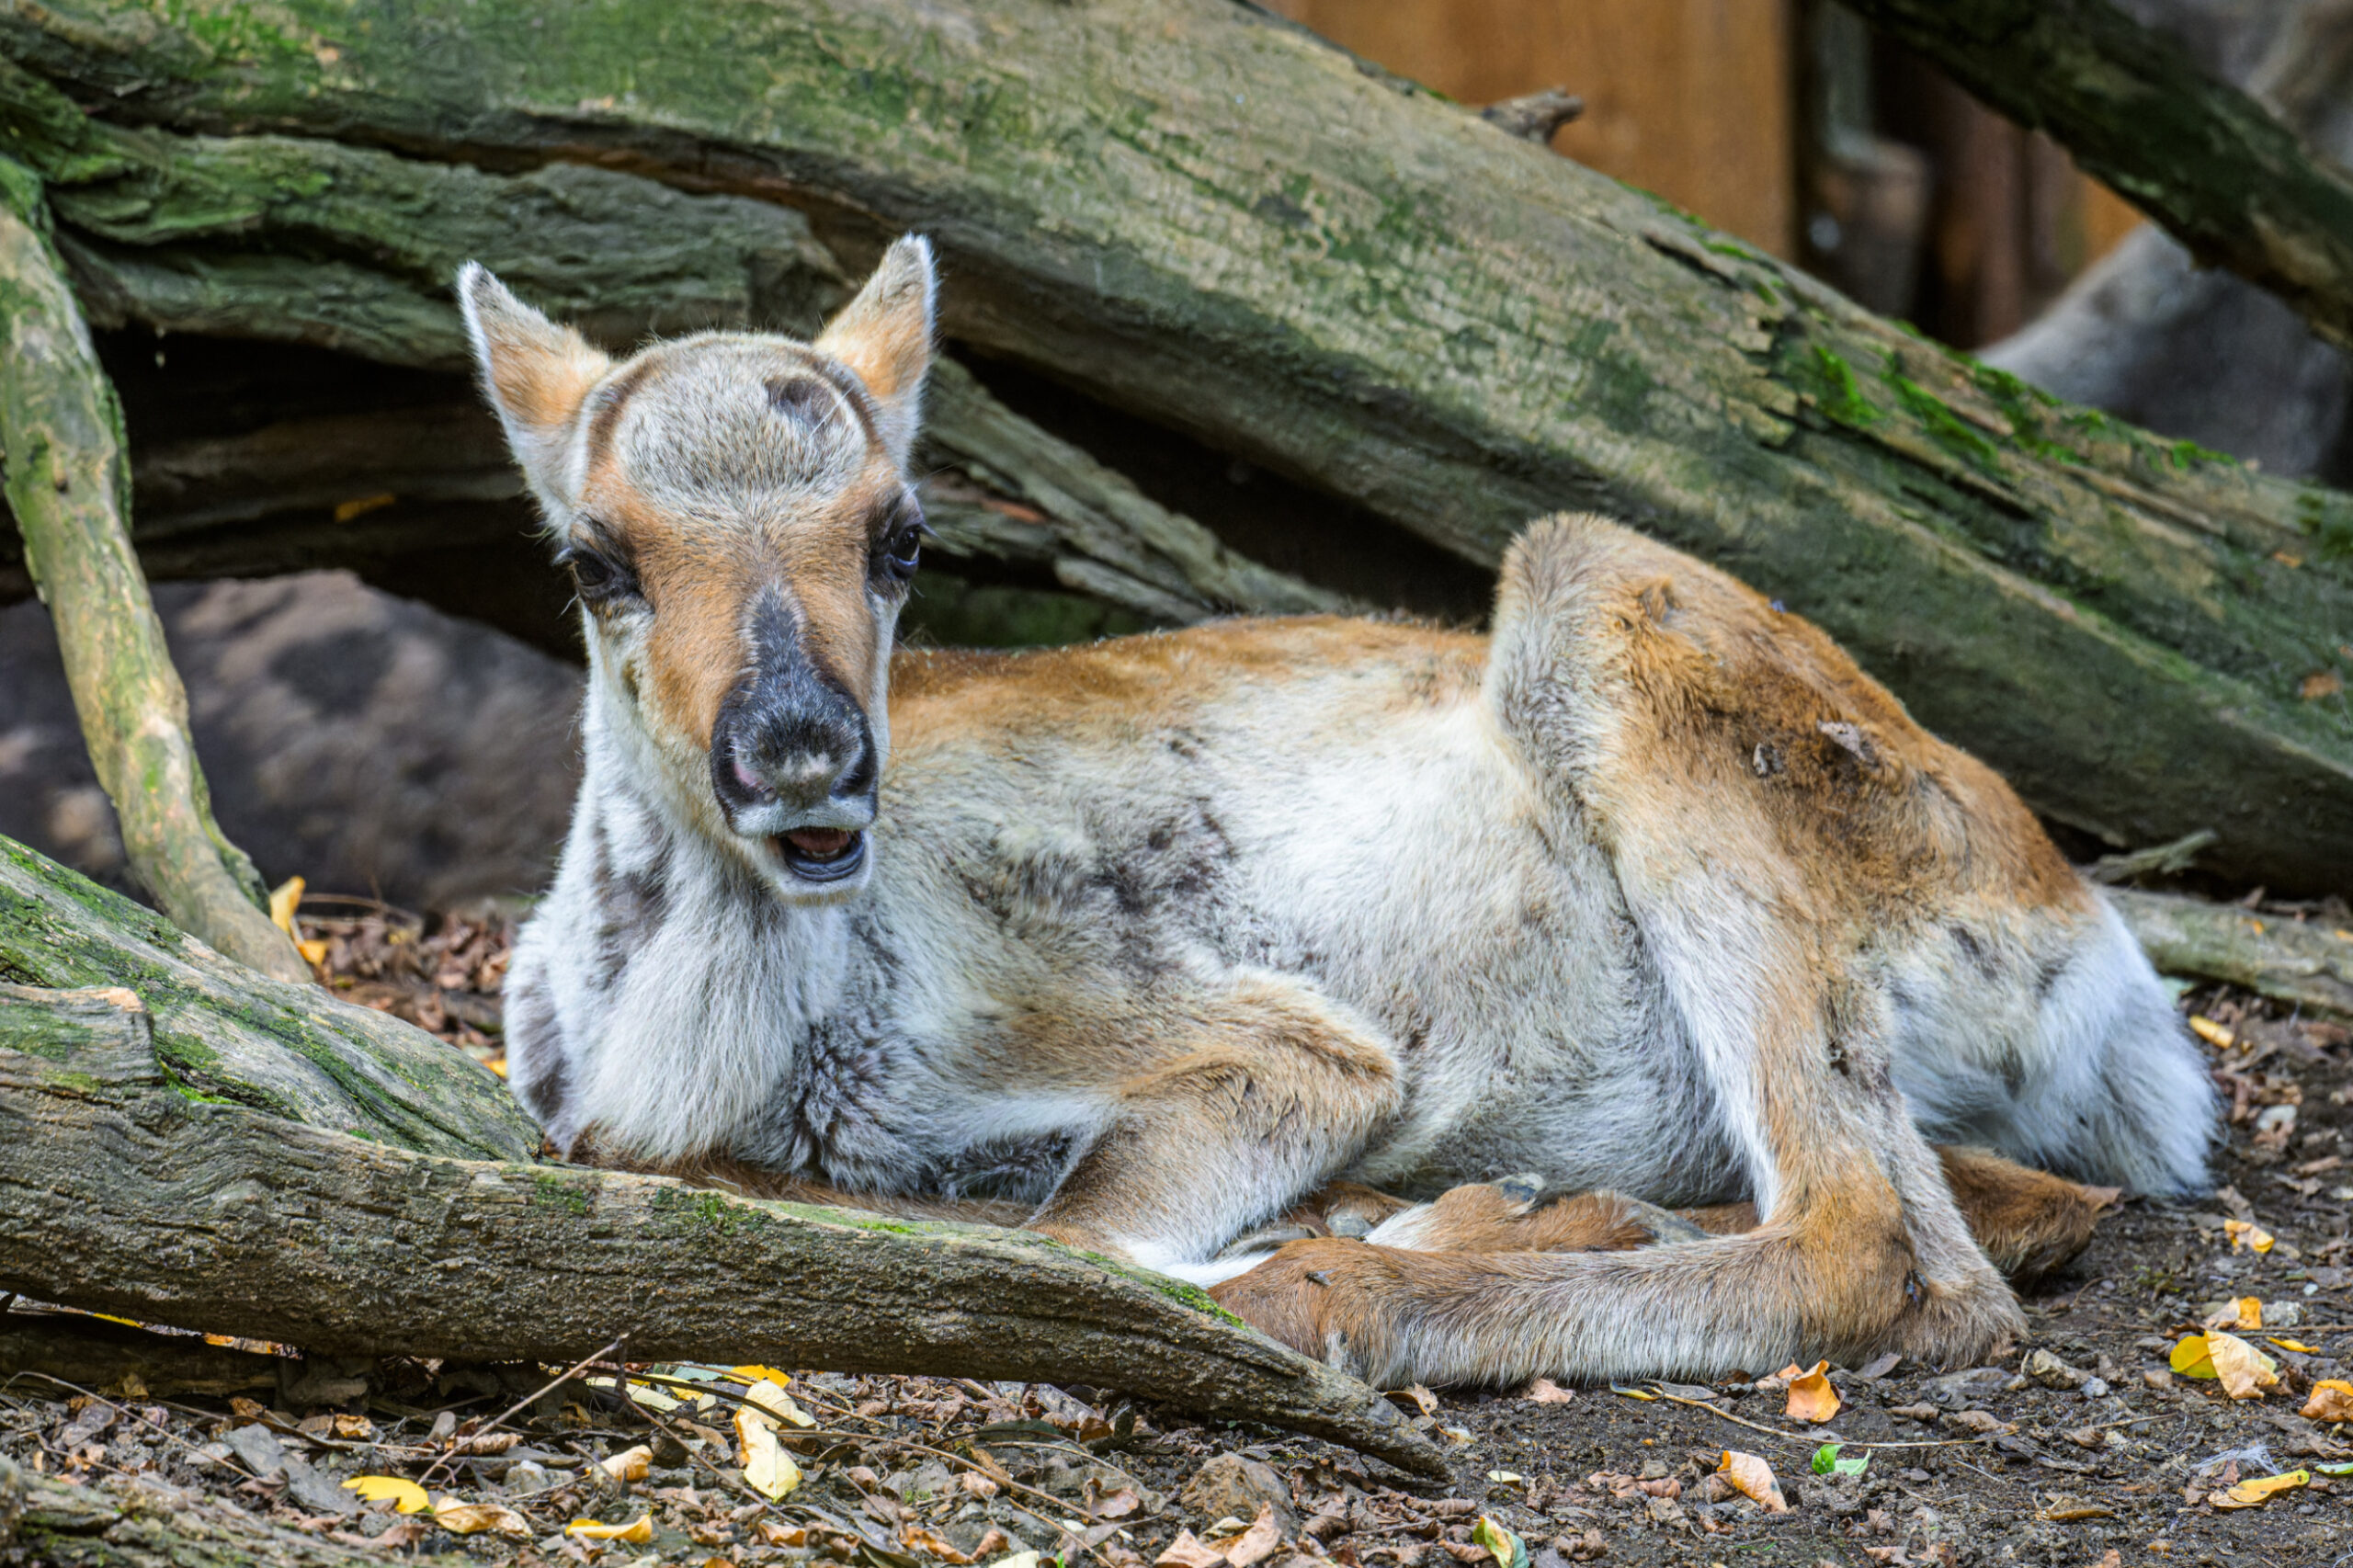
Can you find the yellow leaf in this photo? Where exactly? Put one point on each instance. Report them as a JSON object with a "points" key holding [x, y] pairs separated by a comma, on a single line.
{"points": [[284, 899], [473, 1518], [2249, 1494], [2296, 1344], [2332, 1400], [2212, 1033], [405, 1495], [759, 1374], [1812, 1399], [767, 1469], [638, 1534], [314, 951], [2247, 1312], [629, 1464], [769, 1396], [2191, 1358], [1754, 1478], [2244, 1371], [641, 1392], [1505, 1548], [2254, 1237]]}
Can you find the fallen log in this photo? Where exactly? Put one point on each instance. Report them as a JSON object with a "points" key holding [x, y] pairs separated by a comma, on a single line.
{"points": [[130, 1523], [1198, 213], [62, 430], [2308, 964], [115, 1358], [2223, 175], [184, 1142], [162, 230]]}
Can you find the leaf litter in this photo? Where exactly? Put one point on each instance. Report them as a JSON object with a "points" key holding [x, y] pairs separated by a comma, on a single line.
{"points": [[1926, 1468]]}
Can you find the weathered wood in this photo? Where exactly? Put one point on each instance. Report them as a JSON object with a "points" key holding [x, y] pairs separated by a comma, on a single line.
{"points": [[105, 1356], [186, 1143], [2309, 963], [68, 485], [2210, 163], [136, 1523], [1342, 278], [162, 230]]}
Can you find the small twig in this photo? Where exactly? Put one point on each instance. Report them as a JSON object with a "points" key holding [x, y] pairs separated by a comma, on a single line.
{"points": [[527, 1400], [2167, 859], [1817, 1439]]}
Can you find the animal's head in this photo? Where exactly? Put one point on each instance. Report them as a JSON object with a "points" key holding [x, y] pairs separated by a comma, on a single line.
{"points": [[736, 513]]}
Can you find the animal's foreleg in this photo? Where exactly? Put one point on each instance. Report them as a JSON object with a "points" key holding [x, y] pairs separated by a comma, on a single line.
{"points": [[1238, 1108]]}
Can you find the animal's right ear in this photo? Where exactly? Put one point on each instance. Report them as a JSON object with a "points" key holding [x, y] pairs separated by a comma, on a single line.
{"points": [[536, 375]]}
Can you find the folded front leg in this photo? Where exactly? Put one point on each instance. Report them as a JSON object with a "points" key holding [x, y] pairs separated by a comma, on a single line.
{"points": [[1233, 1106]]}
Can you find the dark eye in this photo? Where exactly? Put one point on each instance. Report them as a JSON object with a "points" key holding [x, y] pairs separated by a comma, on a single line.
{"points": [[598, 577], [903, 550]]}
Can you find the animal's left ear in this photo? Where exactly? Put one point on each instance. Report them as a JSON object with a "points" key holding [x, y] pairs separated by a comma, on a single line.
{"points": [[884, 334]]}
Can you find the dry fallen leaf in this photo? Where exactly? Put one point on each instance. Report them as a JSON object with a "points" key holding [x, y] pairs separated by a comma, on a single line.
{"points": [[1812, 1399], [1423, 1401], [770, 1395], [405, 1495], [914, 1538], [2320, 683], [2243, 1370], [774, 1534], [2251, 1494], [629, 1464], [1544, 1390], [2298, 1345], [473, 1518], [767, 1469], [1507, 1548], [2244, 1233], [2332, 1400], [354, 1428], [1186, 1552], [2247, 1312], [1753, 1478], [1253, 1544], [639, 1534]]}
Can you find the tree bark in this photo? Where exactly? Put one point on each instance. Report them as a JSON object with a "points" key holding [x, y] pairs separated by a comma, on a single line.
{"points": [[126, 1524], [2307, 963], [186, 1142], [163, 229], [67, 484], [1198, 213], [2200, 157]]}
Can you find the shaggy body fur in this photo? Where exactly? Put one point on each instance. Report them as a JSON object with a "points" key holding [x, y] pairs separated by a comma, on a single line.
{"points": [[1651, 892]]}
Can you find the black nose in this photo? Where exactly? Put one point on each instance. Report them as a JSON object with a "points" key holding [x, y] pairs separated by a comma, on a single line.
{"points": [[788, 737]]}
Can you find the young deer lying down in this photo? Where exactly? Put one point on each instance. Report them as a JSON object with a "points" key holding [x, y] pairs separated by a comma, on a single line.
{"points": [[1175, 947]]}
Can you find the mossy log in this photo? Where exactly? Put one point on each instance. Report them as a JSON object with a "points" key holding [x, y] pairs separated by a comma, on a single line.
{"points": [[130, 1523], [1196, 212], [68, 485], [184, 1142], [2307, 963], [2227, 179], [357, 248]]}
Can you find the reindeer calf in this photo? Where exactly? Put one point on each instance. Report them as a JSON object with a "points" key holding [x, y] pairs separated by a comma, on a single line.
{"points": [[1649, 900]]}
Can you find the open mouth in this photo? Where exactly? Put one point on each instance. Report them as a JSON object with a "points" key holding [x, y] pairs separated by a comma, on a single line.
{"points": [[822, 853]]}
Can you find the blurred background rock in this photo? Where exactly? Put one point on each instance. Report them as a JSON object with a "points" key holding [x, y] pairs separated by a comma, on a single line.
{"points": [[379, 748]]}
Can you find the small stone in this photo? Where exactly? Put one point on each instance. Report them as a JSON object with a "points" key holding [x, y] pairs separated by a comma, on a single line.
{"points": [[2051, 1372], [316, 1492], [2095, 1388], [1230, 1484], [2158, 1377], [257, 1450]]}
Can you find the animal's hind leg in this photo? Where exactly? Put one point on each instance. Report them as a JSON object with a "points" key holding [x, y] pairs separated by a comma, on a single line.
{"points": [[2028, 1221]]}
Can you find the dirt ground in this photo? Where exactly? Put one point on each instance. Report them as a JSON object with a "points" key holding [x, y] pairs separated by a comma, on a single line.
{"points": [[2102, 1457]]}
